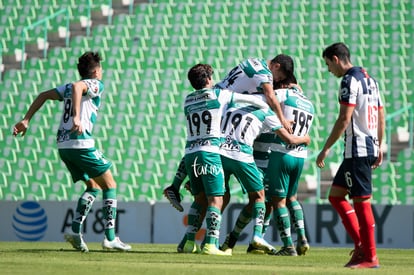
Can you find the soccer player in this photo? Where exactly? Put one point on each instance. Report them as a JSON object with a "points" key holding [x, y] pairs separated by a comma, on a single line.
{"points": [[284, 170], [361, 120], [81, 101], [253, 75], [241, 125], [204, 110]]}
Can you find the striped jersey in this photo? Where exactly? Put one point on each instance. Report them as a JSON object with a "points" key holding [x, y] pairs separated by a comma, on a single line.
{"points": [[261, 149], [296, 107], [358, 89], [241, 125], [89, 105], [247, 77], [204, 110]]}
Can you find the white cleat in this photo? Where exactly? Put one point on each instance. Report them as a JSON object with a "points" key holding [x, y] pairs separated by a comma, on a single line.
{"points": [[77, 242], [115, 244]]}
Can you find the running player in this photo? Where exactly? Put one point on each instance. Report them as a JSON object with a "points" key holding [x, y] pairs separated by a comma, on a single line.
{"points": [[361, 120], [77, 148]]}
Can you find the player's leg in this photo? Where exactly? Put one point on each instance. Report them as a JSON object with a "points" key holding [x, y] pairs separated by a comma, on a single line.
{"points": [[277, 179], [108, 185], [295, 208], [85, 202], [244, 218], [337, 198], [297, 219], [196, 216], [172, 192], [282, 219], [361, 192]]}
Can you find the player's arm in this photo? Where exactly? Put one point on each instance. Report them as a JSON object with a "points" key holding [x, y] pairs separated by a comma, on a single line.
{"points": [[21, 126], [344, 118], [292, 139], [274, 104], [78, 89], [380, 133], [250, 99]]}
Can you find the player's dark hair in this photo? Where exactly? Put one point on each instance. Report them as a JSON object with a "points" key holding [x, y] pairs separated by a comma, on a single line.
{"points": [[199, 74], [338, 49], [291, 79], [87, 63], [286, 64]]}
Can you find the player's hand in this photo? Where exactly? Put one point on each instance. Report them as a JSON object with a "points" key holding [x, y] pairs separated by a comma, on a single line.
{"points": [[287, 124], [20, 127], [308, 140], [187, 186], [77, 126], [378, 162], [321, 157]]}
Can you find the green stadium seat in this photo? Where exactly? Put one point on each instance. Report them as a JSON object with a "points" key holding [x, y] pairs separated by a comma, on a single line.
{"points": [[125, 192], [146, 58], [14, 192]]}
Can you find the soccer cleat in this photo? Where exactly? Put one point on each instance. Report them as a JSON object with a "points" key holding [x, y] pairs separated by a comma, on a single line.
{"points": [[367, 264], [286, 251], [174, 197], [357, 257], [260, 243], [190, 247], [211, 249], [302, 247], [252, 250], [115, 244], [229, 242], [77, 242]]}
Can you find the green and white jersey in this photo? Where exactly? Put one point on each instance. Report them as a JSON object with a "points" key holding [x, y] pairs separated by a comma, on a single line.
{"points": [[204, 110], [247, 77], [241, 125], [261, 149], [296, 107], [90, 103]]}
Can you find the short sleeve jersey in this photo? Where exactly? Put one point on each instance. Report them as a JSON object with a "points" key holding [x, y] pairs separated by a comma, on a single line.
{"points": [[360, 90], [248, 77], [89, 105], [203, 110], [241, 125], [296, 107]]}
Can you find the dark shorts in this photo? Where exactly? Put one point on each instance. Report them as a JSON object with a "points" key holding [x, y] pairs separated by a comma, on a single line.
{"points": [[355, 175]]}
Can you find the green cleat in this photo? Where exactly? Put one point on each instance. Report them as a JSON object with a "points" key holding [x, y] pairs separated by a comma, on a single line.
{"points": [[302, 247], [211, 249]]}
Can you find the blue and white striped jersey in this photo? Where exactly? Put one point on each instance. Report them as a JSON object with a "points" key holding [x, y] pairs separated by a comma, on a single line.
{"points": [[360, 90]]}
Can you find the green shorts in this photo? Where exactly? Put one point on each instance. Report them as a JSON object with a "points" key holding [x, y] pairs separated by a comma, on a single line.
{"points": [[249, 176], [205, 172], [282, 175], [84, 164]]}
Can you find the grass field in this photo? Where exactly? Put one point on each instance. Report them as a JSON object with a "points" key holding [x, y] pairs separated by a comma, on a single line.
{"points": [[60, 258]]}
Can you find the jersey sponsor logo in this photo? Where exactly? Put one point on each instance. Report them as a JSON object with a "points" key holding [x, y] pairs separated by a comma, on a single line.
{"points": [[229, 145], [294, 147], [200, 169], [63, 135], [198, 143]]}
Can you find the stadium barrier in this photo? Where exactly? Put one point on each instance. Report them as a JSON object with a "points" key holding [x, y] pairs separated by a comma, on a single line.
{"points": [[141, 222]]}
